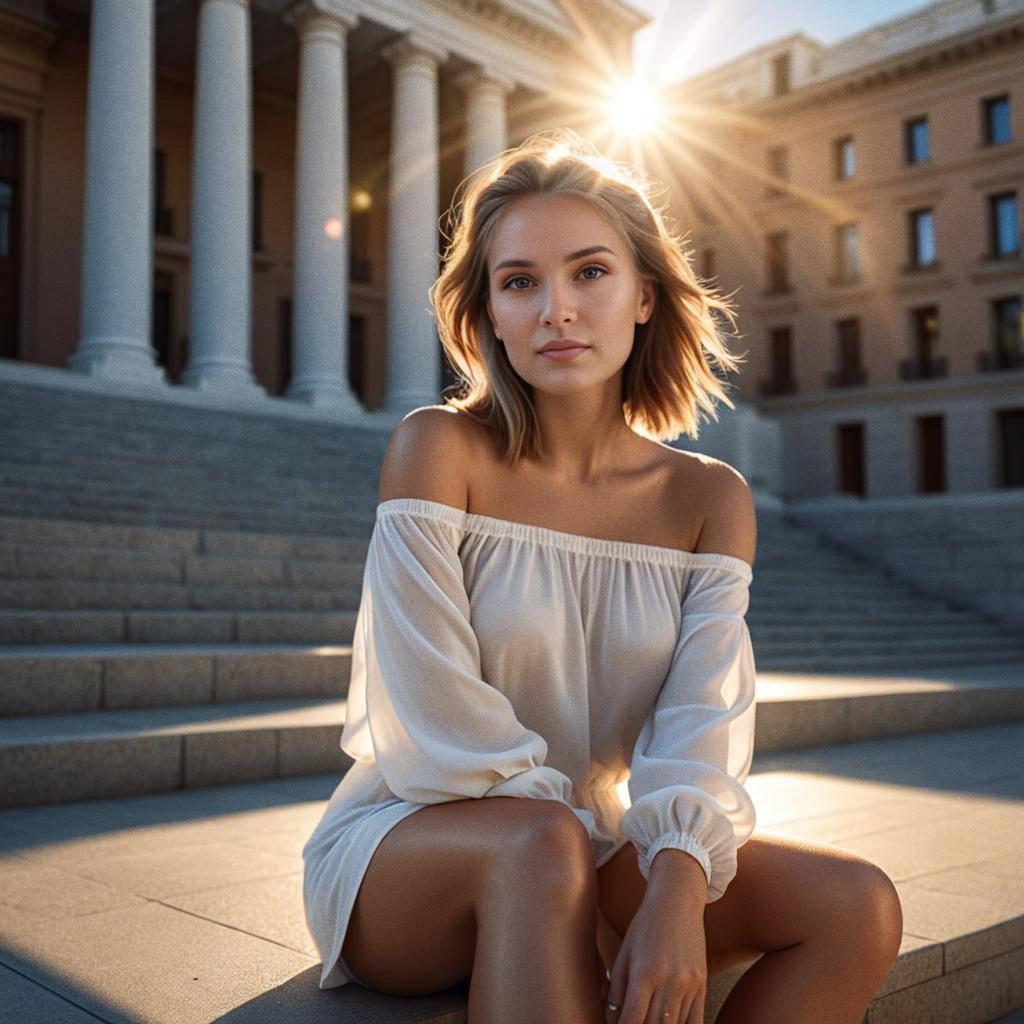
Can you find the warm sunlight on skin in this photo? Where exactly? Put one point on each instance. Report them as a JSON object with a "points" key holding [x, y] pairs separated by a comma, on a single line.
{"points": [[635, 108]]}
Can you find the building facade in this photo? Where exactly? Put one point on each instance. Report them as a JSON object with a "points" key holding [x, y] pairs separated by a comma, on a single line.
{"points": [[243, 197], [862, 205]]}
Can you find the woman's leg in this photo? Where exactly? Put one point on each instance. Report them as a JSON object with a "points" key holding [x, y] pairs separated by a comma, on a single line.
{"points": [[825, 924], [500, 887]]}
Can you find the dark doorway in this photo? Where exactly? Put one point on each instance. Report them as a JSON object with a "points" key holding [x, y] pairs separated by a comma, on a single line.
{"points": [[284, 344], [169, 350], [10, 236], [1011, 441], [851, 458], [931, 454]]}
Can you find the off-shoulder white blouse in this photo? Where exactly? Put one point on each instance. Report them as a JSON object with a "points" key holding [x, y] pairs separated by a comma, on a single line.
{"points": [[496, 658]]}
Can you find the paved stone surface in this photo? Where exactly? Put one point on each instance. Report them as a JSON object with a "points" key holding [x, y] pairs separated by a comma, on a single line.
{"points": [[186, 907]]}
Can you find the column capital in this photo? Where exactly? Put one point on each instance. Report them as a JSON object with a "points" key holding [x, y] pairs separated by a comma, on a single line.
{"points": [[414, 48], [486, 77], [309, 15]]}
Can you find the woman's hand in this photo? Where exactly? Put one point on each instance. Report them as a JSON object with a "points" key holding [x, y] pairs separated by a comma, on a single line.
{"points": [[660, 973]]}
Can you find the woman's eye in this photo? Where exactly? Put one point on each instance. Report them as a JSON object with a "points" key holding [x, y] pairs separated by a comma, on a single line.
{"points": [[511, 283]]}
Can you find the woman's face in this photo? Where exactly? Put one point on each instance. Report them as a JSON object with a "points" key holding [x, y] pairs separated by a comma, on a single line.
{"points": [[558, 269]]}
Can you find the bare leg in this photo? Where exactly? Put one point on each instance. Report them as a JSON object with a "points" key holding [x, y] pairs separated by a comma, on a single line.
{"points": [[500, 887], [823, 925]]}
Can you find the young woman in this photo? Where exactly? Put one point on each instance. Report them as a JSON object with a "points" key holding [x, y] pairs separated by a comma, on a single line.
{"points": [[552, 608]]}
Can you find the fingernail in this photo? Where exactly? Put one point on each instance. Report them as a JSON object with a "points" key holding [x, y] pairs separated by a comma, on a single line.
{"points": [[608, 975]]}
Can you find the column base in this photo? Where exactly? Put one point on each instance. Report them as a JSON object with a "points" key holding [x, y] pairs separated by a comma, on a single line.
{"points": [[126, 360], [402, 404], [226, 378], [327, 393]]}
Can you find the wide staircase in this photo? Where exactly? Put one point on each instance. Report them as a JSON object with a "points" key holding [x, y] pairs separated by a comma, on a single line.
{"points": [[178, 590]]}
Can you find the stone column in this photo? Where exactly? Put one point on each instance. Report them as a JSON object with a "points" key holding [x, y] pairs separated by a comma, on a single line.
{"points": [[320, 304], [486, 123], [220, 274], [414, 361], [117, 248]]}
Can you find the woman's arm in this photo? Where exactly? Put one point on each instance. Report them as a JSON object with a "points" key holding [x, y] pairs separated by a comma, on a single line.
{"points": [[690, 810]]}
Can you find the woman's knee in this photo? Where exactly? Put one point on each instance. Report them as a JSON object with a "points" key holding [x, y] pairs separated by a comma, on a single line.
{"points": [[547, 848], [867, 908]]}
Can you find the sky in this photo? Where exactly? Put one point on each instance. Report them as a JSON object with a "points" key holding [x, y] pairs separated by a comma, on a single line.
{"points": [[690, 36]]}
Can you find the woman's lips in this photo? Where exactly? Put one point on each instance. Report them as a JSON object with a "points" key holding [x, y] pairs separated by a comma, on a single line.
{"points": [[562, 354]]}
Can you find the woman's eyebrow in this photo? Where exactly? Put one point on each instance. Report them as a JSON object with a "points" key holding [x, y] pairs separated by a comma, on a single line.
{"points": [[568, 259]]}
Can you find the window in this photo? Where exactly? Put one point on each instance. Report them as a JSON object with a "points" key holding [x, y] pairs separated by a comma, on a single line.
{"points": [[925, 361], [777, 265], [846, 248], [997, 120], [926, 333], [922, 238], [845, 160], [918, 141], [778, 169], [1009, 332], [848, 338], [1004, 225], [849, 372], [781, 74]]}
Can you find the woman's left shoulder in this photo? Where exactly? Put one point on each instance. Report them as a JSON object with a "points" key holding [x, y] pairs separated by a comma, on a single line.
{"points": [[726, 506]]}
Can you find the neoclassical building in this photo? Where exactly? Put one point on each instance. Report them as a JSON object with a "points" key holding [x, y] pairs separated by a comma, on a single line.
{"points": [[243, 197], [862, 202]]}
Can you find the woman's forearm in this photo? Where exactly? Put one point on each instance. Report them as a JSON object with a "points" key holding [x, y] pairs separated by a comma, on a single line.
{"points": [[676, 875]]}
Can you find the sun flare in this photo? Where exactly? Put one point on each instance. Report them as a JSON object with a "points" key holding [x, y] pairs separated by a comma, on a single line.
{"points": [[635, 108]]}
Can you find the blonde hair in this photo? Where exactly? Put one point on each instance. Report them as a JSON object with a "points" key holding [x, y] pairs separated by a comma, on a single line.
{"points": [[669, 375]]}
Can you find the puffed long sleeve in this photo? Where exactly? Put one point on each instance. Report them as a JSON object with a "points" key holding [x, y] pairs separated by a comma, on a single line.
{"points": [[695, 747], [417, 702]]}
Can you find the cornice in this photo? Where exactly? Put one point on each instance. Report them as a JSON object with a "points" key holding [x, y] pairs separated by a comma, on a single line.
{"points": [[899, 67]]}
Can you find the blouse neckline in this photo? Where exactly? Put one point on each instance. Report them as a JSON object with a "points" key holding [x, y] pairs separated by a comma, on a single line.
{"points": [[474, 522]]}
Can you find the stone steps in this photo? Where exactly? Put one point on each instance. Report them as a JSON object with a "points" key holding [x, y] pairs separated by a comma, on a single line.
{"points": [[50, 679], [176, 627], [58, 595], [118, 906], [55, 758]]}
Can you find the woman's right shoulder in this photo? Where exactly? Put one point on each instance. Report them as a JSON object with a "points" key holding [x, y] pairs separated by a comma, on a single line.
{"points": [[430, 455]]}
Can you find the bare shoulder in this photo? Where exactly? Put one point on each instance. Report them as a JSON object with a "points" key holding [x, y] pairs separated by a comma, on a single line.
{"points": [[429, 456], [726, 506]]}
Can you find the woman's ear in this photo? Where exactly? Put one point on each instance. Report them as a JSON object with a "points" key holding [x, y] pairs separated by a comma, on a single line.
{"points": [[645, 304], [490, 316]]}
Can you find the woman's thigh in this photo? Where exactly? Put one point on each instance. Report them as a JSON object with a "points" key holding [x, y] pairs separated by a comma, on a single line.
{"points": [[413, 928], [785, 891]]}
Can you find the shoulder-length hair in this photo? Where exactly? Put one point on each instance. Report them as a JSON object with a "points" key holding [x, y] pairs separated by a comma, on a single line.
{"points": [[670, 373]]}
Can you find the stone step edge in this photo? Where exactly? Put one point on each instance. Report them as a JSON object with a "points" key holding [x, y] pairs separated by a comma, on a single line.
{"points": [[181, 540], [59, 759]]}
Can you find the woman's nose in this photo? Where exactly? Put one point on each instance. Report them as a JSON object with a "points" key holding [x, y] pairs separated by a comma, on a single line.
{"points": [[559, 308]]}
